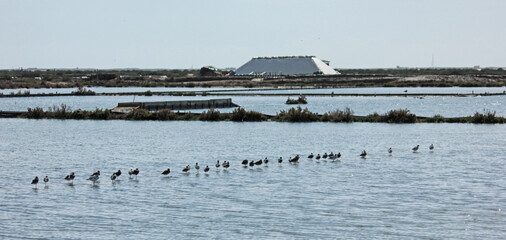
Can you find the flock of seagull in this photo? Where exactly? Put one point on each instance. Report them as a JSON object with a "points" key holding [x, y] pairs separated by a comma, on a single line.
{"points": [[134, 172]]}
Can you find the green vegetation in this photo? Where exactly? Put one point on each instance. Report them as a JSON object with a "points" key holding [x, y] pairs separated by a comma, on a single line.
{"points": [[301, 100], [297, 115], [486, 117], [338, 115], [241, 115]]}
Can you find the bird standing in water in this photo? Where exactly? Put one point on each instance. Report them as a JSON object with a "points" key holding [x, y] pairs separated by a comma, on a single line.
{"points": [[416, 148], [363, 154], [35, 181]]}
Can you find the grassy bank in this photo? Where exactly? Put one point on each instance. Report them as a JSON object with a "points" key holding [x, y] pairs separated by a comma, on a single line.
{"points": [[73, 78], [241, 115]]}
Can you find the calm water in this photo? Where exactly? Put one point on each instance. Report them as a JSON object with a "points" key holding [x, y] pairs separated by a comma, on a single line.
{"points": [[457, 191], [398, 90], [113, 89], [428, 106], [461, 90]]}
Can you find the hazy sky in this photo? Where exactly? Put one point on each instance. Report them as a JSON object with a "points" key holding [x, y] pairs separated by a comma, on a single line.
{"points": [[186, 33]]}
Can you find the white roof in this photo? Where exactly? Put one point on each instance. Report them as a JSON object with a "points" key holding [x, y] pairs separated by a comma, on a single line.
{"points": [[306, 65]]}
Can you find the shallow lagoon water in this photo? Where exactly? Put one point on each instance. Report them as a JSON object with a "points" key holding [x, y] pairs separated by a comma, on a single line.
{"points": [[458, 191]]}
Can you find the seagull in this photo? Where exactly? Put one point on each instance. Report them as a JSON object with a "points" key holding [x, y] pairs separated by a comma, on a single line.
{"points": [[252, 163], [293, 160], [390, 150], [166, 172], [245, 162], [114, 176], [266, 160], [416, 148], [259, 162], [296, 158], [35, 181], [70, 177], [218, 164], [431, 147], [331, 155], [226, 164], [131, 172], [363, 154], [206, 169], [338, 154], [280, 160], [46, 179], [310, 155], [318, 156], [325, 155], [197, 166], [118, 173], [186, 169]]}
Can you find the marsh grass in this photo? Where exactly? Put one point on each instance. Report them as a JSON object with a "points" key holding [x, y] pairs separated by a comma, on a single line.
{"points": [[301, 100], [296, 115], [241, 115]]}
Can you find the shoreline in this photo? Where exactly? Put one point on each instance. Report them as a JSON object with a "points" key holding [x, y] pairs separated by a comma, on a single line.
{"points": [[238, 93]]}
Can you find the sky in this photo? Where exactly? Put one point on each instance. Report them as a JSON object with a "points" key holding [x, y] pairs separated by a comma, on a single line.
{"points": [[193, 33]]}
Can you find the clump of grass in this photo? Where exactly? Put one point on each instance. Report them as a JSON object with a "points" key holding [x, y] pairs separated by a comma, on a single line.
{"points": [[400, 116], [338, 115], [241, 115], [297, 115], [165, 114], [148, 93], [139, 114], [35, 113], [60, 112], [210, 115], [436, 119], [374, 117], [100, 114], [301, 100], [486, 117]]}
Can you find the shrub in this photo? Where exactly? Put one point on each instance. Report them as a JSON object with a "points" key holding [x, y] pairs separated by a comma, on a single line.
{"points": [[148, 93], [210, 115], [100, 114], [400, 116], [341, 116], [60, 112], [301, 100], [436, 119], [36, 113], [375, 117], [139, 114], [241, 115], [297, 115], [486, 117], [165, 114]]}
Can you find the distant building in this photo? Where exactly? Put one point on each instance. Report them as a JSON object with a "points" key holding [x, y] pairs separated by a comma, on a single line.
{"points": [[290, 65]]}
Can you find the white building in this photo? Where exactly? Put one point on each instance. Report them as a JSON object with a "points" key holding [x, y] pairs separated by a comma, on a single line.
{"points": [[290, 65]]}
